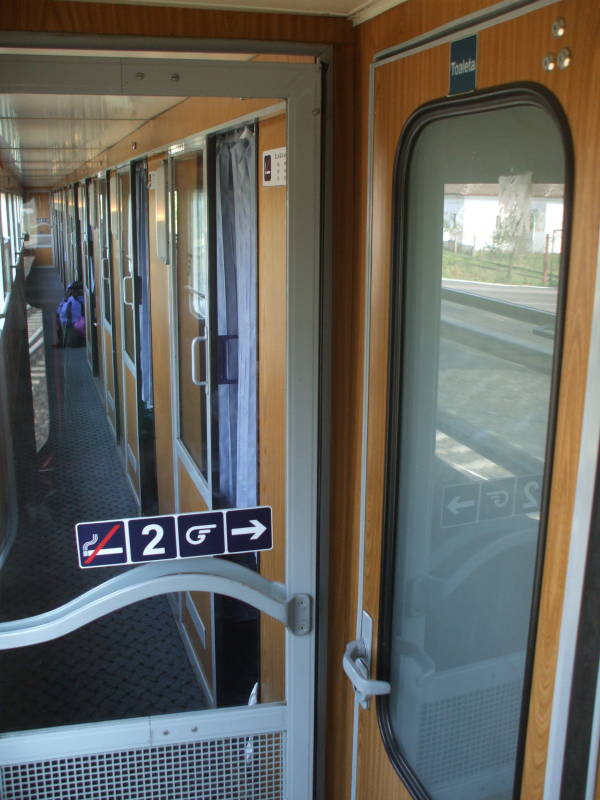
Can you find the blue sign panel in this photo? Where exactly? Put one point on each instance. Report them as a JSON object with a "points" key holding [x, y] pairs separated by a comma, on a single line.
{"points": [[497, 498], [173, 536], [249, 529], [152, 538], [463, 65], [101, 544], [460, 504], [486, 500], [528, 496], [201, 534]]}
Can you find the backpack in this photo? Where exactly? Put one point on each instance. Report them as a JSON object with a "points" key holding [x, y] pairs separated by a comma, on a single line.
{"points": [[70, 313]]}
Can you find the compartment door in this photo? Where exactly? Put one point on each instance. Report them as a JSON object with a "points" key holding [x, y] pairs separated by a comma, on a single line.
{"points": [[473, 429]]}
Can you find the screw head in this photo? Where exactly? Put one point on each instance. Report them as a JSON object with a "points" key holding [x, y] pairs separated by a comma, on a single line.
{"points": [[140, 76], [549, 62], [175, 77], [563, 59], [558, 27]]}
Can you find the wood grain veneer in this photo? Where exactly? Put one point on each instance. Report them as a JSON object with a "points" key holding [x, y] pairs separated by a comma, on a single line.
{"points": [[510, 52], [272, 209], [61, 16], [160, 299]]}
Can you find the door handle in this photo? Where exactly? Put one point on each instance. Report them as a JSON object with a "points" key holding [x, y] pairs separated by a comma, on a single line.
{"points": [[124, 284], [195, 380], [356, 666]]}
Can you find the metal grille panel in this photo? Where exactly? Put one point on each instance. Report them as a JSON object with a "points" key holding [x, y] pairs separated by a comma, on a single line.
{"points": [[241, 768], [468, 733]]}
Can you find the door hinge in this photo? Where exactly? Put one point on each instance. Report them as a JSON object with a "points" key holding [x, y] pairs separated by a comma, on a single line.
{"points": [[300, 614]]}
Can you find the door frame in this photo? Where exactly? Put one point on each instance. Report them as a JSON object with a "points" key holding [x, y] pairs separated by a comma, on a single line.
{"points": [[300, 85]]}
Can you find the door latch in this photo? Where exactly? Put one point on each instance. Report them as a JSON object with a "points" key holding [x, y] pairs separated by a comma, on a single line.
{"points": [[357, 665]]}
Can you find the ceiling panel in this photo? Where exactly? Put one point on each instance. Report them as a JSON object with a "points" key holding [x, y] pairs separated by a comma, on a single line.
{"points": [[357, 10], [44, 138], [94, 134], [84, 106]]}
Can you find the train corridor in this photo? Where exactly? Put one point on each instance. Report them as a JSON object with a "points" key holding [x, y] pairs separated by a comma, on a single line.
{"points": [[131, 663]]}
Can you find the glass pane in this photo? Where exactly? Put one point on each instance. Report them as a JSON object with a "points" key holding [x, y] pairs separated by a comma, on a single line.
{"points": [[126, 261], [484, 211], [105, 249], [192, 304]]}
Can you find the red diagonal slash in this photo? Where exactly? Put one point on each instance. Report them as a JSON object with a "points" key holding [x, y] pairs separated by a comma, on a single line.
{"points": [[107, 538]]}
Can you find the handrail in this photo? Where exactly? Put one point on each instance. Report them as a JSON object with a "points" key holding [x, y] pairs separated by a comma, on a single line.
{"points": [[504, 308], [148, 580]]}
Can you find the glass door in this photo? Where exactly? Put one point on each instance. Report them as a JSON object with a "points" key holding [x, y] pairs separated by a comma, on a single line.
{"points": [[258, 742], [473, 340]]}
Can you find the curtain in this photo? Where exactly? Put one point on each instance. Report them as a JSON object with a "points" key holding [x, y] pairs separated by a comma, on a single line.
{"points": [[141, 228], [236, 315]]}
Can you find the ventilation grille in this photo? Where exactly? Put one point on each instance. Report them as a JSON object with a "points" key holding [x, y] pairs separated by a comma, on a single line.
{"points": [[243, 768], [469, 733]]}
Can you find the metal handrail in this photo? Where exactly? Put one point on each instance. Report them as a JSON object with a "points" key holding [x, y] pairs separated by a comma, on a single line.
{"points": [[503, 308], [148, 580]]}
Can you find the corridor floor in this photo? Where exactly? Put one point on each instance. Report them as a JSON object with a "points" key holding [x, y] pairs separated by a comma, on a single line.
{"points": [[129, 664]]}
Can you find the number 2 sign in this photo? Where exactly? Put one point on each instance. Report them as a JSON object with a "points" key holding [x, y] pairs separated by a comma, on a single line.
{"points": [[173, 536]]}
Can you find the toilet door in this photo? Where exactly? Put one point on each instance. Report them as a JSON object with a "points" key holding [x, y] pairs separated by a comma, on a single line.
{"points": [[472, 408]]}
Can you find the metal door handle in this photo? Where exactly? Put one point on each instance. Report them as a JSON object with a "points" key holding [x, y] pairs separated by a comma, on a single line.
{"points": [[355, 663], [124, 283], [195, 380]]}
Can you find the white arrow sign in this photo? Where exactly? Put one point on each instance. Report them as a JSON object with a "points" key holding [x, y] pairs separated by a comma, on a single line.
{"points": [[256, 529], [455, 506]]}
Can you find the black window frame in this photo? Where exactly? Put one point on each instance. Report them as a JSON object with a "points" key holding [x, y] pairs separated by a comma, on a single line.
{"points": [[506, 96]]}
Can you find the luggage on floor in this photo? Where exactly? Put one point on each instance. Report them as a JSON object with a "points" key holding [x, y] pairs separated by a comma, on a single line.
{"points": [[70, 317]]}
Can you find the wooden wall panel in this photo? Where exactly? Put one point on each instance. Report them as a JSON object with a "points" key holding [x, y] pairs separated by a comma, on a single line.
{"points": [[190, 116], [272, 372], [60, 16], [347, 301], [398, 92]]}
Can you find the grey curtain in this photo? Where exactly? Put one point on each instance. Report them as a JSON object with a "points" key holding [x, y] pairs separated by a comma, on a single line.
{"points": [[236, 279], [141, 228]]}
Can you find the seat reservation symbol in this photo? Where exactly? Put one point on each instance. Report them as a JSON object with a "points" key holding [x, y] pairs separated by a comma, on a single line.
{"points": [[198, 533]]}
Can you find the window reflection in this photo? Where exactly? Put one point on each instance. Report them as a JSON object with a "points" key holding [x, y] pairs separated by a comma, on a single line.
{"points": [[192, 298], [481, 271]]}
